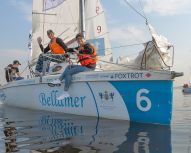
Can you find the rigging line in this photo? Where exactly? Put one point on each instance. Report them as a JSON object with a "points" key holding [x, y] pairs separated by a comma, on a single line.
{"points": [[59, 35], [58, 19], [122, 65], [24, 69], [64, 31], [122, 46], [105, 55], [64, 23], [119, 46], [43, 25], [106, 33], [145, 17], [41, 13], [135, 10], [94, 16], [100, 35], [75, 25], [141, 4], [129, 55], [28, 66]]}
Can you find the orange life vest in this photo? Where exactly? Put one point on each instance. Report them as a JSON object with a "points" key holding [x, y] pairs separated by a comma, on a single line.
{"points": [[55, 47], [88, 59]]}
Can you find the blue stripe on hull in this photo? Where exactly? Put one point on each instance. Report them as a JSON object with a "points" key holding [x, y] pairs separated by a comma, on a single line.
{"points": [[147, 101]]}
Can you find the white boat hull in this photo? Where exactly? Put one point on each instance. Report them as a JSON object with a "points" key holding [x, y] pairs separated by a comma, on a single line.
{"points": [[136, 95]]}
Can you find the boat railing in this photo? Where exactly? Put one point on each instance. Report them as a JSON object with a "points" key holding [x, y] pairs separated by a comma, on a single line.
{"points": [[144, 57]]}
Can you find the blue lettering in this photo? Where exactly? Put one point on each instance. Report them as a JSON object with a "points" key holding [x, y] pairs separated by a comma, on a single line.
{"points": [[60, 103], [42, 99], [50, 100], [82, 101], [76, 102]]}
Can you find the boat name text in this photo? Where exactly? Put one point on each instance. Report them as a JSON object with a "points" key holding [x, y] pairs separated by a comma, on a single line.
{"points": [[49, 99]]}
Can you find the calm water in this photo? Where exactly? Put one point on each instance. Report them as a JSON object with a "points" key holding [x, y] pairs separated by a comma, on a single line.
{"points": [[26, 131]]}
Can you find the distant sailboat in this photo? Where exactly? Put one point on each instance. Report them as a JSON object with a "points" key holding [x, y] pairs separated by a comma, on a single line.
{"points": [[140, 93], [187, 87]]}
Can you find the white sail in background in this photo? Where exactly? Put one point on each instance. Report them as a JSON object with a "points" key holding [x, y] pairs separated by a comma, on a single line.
{"points": [[96, 29], [62, 16]]}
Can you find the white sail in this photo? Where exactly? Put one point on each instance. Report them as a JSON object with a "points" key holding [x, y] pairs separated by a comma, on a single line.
{"points": [[62, 16], [96, 29]]}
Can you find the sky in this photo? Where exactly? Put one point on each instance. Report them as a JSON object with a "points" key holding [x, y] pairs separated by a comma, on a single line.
{"points": [[170, 19]]}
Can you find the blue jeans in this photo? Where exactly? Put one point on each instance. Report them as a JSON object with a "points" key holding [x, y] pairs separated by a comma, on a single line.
{"points": [[18, 78], [48, 57], [69, 71]]}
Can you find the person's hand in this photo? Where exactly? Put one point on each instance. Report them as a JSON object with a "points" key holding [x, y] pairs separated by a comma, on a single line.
{"points": [[39, 40], [80, 48], [68, 60]]}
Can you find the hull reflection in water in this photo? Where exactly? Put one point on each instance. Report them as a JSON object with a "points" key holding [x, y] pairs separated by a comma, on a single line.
{"points": [[53, 132]]}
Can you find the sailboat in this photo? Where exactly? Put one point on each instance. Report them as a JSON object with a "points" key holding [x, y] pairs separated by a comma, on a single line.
{"points": [[142, 93], [187, 88]]}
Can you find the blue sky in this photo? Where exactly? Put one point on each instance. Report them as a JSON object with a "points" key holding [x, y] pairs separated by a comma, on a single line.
{"points": [[170, 18]]}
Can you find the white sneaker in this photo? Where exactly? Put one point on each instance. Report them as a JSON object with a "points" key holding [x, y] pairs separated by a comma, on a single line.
{"points": [[63, 95], [57, 81]]}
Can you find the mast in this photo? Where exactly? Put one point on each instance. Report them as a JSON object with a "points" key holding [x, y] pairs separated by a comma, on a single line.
{"points": [[82, 17]]}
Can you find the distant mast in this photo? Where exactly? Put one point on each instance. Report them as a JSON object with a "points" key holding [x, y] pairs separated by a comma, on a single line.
{"points": [[82, 17]]}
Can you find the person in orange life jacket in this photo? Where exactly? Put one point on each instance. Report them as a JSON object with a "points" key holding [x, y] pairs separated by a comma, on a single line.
{"points": [[58, 51], [12, 71], [87, 58]]}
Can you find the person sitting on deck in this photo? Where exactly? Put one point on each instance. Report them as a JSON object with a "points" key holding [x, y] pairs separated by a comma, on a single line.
{"points": [[86, 56], [58, 49], [12, 71]]}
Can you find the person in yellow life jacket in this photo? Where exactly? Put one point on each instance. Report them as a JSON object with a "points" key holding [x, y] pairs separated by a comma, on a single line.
{"points": [[58, 51], [86, 53]]}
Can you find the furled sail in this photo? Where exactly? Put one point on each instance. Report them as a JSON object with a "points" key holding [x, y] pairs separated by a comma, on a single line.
{"points": [[157, 52], [62, 16], [96, 29], [155, 55]]}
